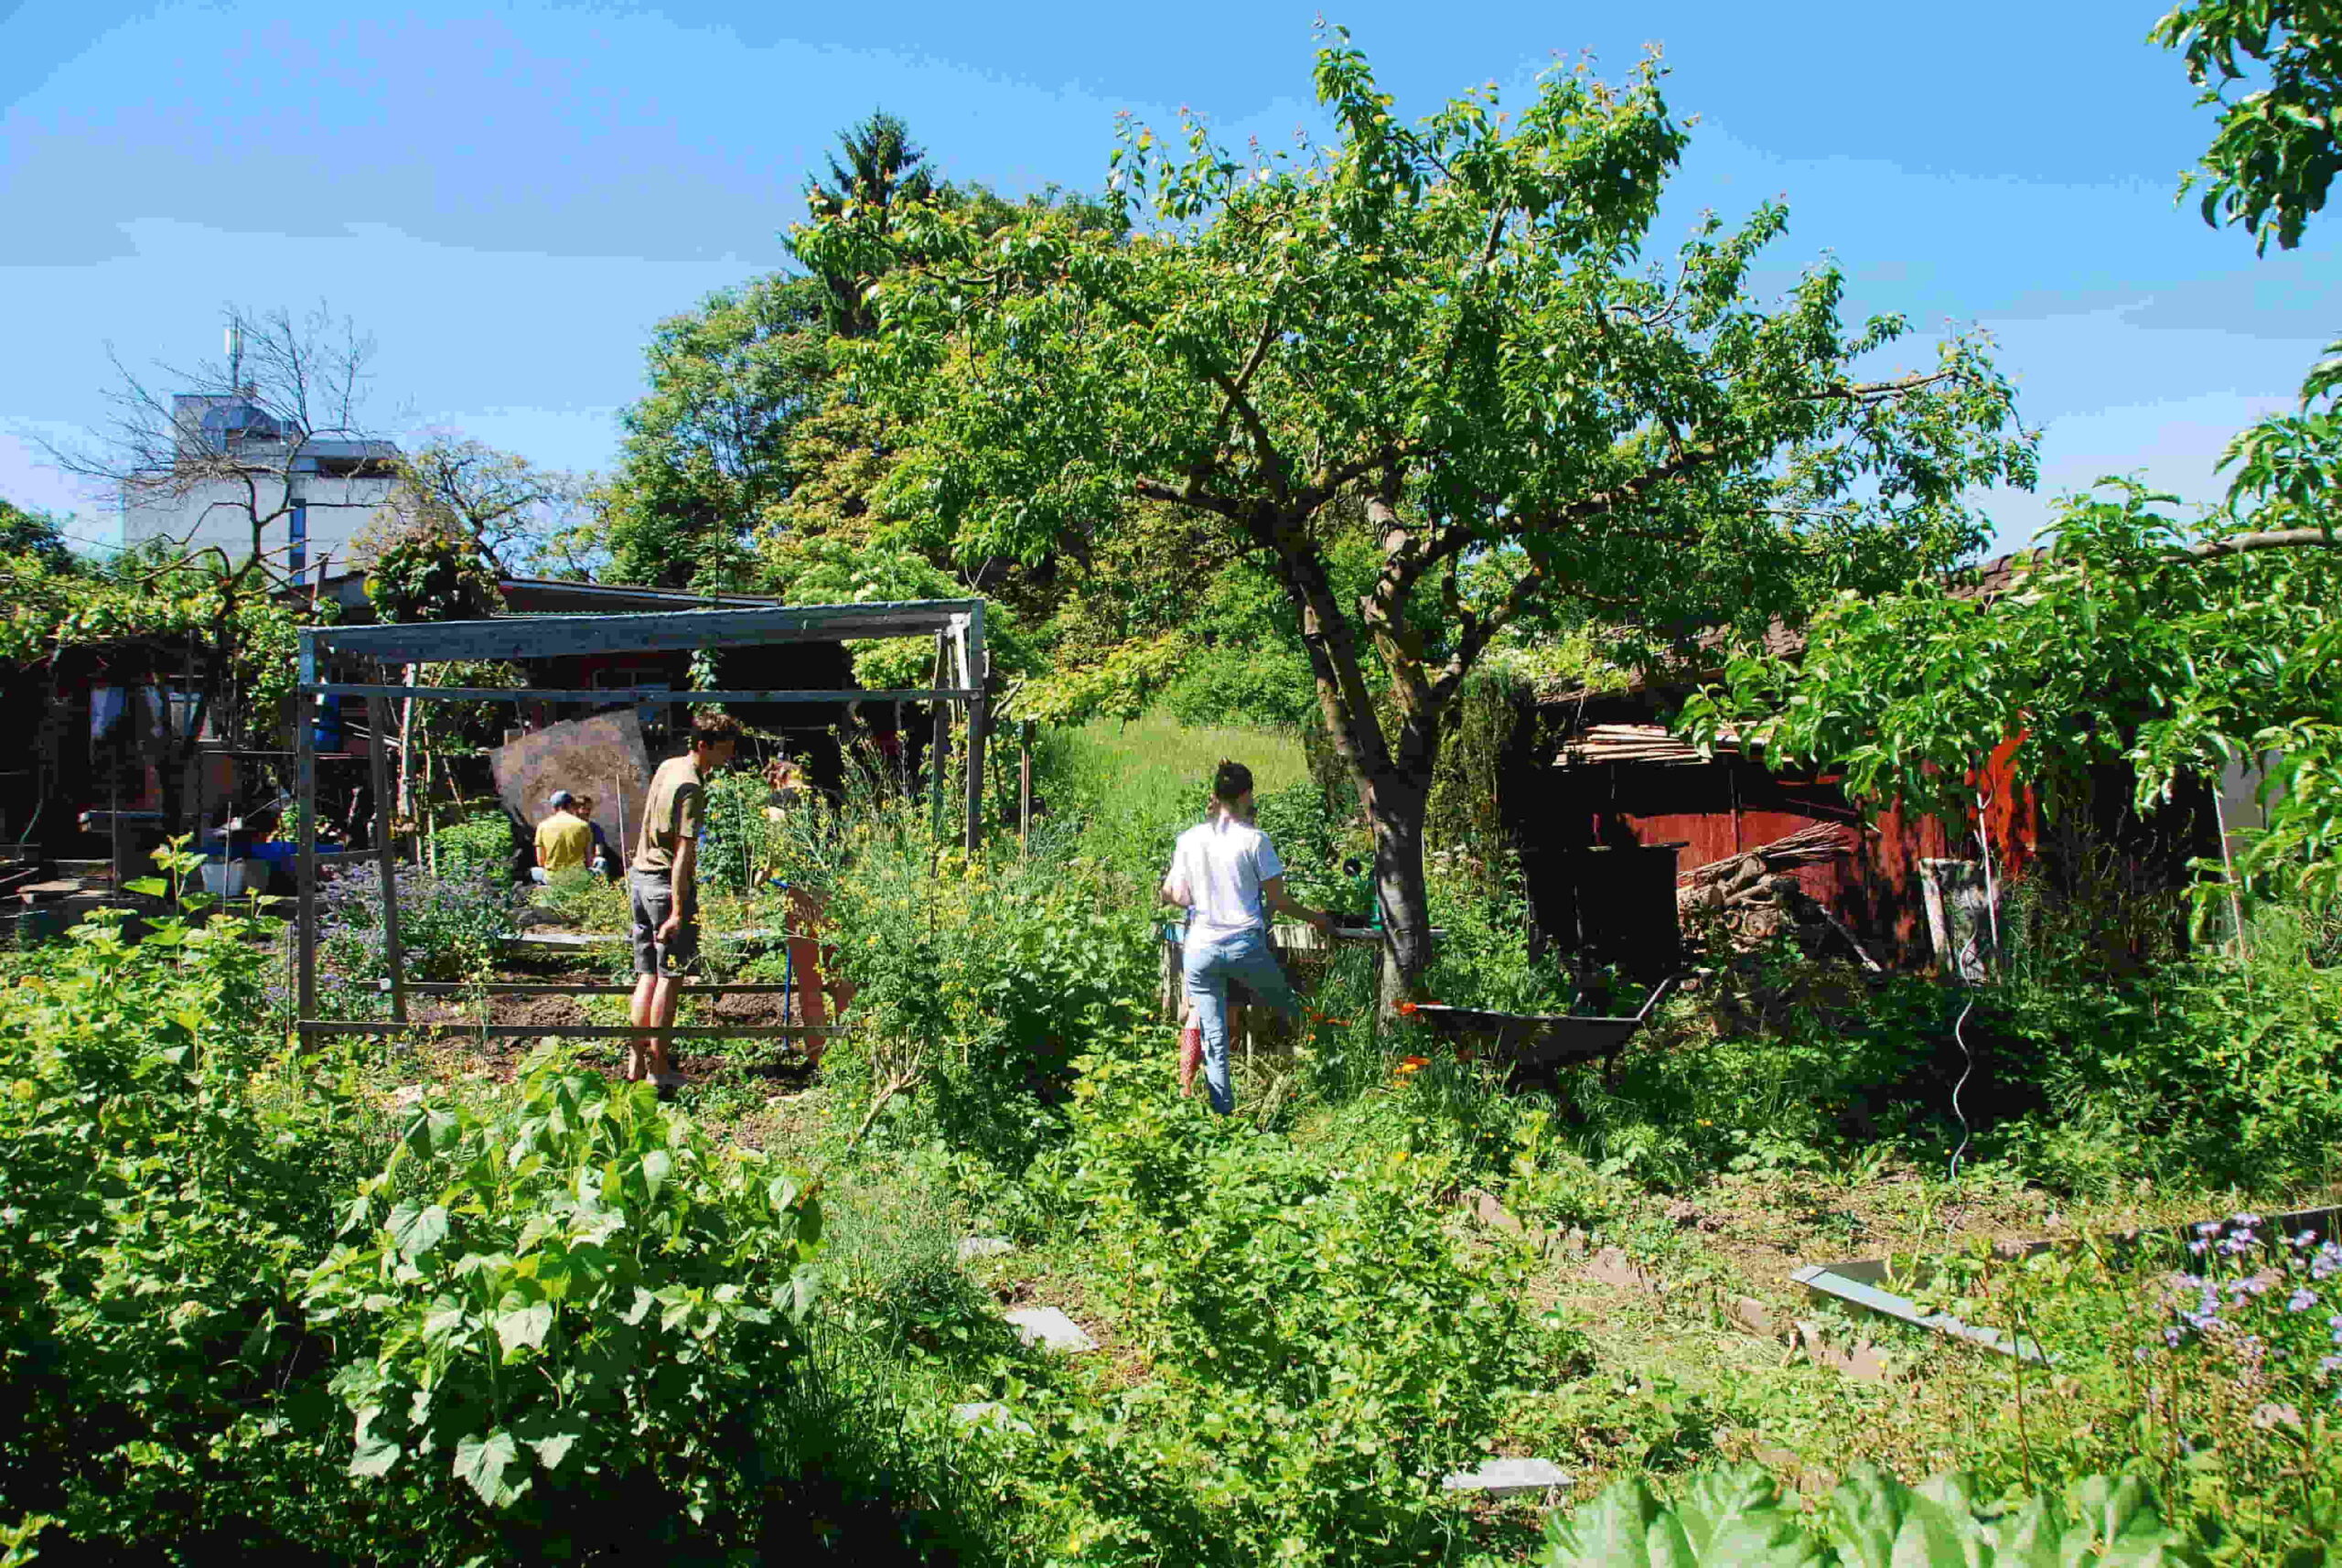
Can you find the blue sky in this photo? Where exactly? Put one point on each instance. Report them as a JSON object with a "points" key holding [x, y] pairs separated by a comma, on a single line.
{"points": [[508, 197]]}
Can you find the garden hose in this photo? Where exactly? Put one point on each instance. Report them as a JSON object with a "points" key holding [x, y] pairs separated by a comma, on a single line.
{"points": [[1969, 1056]]}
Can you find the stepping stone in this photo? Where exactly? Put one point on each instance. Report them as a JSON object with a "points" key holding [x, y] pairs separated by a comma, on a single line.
{"points": [[1511, 1479], [976, 1247], [1051, 1329], [987, 1412], [1612, 1267]]}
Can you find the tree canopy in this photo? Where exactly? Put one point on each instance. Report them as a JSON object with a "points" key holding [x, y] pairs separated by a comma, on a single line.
{"points": [[1447, 325], [2274, 68]]}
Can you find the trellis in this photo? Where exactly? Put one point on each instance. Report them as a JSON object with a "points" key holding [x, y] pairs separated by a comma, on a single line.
{"points": [[328, 652]]}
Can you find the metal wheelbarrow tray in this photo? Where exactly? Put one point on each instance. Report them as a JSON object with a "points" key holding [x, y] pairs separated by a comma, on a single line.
{"points": [[1540, 1042]]}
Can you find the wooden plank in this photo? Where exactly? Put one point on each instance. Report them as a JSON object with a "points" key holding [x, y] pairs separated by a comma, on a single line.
{"points": [[377, 761], [532, 988], [541, 636], [1024, 785], [972, 674], [939, 750], [304, 789], [310, 1026], [575, 940], [621, 696]]}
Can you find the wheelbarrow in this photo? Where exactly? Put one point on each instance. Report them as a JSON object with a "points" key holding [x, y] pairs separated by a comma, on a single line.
{"points": [[1537, 1045]]}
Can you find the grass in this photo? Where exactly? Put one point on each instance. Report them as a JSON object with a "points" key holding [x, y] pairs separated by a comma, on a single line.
{"points": [[1157, 758]]}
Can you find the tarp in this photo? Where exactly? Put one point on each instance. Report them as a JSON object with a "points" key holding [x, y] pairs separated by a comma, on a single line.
{"points": [[603, 757]]}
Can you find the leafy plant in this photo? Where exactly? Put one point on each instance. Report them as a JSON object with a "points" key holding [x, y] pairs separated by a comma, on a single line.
{"points": [[1735, 1517], [166, 1178], [575, 1304]]}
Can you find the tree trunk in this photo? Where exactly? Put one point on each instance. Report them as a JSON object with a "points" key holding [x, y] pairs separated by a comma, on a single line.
{"points": [[1394, 811], [406, 751], [1394, 783]]}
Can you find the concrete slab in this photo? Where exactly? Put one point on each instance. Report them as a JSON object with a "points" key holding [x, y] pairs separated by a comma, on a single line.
{"points": [[1051, 1329], [1511, 1479]]}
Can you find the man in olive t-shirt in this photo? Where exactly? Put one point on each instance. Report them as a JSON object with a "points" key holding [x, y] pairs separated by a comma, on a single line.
{"points": [[659, 883]]}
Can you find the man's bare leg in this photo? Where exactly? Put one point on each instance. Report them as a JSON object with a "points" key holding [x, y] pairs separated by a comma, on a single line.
{"points": [[643, 1013], [662, 1016]]}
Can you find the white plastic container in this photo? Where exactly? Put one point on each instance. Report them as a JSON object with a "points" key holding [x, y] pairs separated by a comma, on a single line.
{"points": [[227, 878]]}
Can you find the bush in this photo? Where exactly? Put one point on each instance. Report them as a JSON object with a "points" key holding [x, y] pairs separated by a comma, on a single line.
{"points": [[451, 926], [1735, 1517], [163, 1188], [575, 1304], [481, 845], [1321, 1351], [978, 981]]}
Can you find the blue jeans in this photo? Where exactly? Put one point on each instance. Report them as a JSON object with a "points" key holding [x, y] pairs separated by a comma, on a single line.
{"points": [[1212, 961]]}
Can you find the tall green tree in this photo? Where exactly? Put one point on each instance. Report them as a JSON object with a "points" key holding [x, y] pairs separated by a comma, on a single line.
{"points": [[1446, 323], [707, 446], [876, 172], [33, 533]]}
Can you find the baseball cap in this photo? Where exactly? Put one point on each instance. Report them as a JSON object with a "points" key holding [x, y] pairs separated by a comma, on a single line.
{"points": [[561, 798]]}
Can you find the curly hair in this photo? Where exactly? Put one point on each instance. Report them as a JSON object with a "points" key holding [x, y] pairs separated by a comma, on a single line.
{"points": [[715, 729]]}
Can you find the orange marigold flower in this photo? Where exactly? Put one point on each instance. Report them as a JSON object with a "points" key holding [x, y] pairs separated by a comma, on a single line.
{"points": [[1412, 1064], [1406, 1009]]}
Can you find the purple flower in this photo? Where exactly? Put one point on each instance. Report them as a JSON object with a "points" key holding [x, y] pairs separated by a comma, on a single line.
{"points": [[2328, 1262], [2197, 1247], [2172, 1337], [2209, 1228], [2247, 1220], [2302, 1300]]}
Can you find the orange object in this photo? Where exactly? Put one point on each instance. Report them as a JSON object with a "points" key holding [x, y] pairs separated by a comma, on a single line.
{"points": [[1409, 1065]]}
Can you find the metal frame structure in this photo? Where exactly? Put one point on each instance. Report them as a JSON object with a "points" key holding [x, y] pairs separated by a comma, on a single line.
{"points": [[326, 652]]}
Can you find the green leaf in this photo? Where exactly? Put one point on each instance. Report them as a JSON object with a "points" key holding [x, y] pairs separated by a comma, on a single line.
{"points": [[552, 1451], [152, 887], [481, 1462], [415, 1231], [657, 1165], [527, 1327]]}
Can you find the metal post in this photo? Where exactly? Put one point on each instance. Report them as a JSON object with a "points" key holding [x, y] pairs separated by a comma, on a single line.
{"points": [[378, 721], [304, 793]]}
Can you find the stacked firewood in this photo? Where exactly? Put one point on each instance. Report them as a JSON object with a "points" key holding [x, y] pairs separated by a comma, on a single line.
{"points": [[1755, 895]]}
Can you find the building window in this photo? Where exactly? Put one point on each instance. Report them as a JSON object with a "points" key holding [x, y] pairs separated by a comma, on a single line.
{"points": [[298, 557]]}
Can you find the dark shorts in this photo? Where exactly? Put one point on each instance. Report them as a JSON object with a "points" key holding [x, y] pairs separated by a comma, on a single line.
{"points": [[653, 897]]}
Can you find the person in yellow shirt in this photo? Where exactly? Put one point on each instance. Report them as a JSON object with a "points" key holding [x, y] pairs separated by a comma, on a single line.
{"points": [[564, 838]]}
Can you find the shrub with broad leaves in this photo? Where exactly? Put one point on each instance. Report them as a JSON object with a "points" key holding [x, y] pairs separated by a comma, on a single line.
{"points": [[1735, 1517], [564, 1312]]}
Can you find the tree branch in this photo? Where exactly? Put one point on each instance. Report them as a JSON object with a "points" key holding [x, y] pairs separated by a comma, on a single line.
{"points": [[2265, 539]]}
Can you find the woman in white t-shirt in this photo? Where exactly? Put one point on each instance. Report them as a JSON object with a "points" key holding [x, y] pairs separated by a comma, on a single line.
{"points": [[1225, 873]]}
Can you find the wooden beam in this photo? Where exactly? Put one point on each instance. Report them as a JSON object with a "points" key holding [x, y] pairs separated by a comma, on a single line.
{"points": [[309, 1027], [972, 669], [621, 696], [940, 747], [534, 988], [544, 637], [304, 790], [378, 763], [1024, 785]]}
